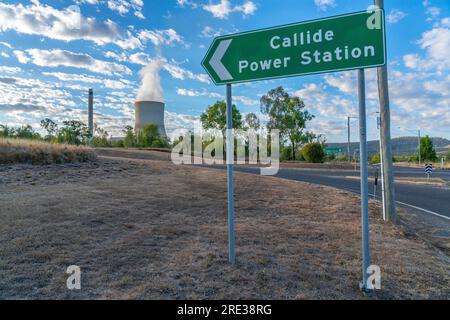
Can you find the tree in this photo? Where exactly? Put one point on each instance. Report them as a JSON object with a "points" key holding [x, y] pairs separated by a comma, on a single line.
{"points": [[313, 152], [147, 135], [6, 131], [215, 117], [100, 138], [50, 126], [130, 137], [73, 132], [287, 114], [252, 121], [427, 151], [26, 132]]}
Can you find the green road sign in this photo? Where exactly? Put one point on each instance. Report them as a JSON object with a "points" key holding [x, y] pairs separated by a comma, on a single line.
{"points": [[332, 150], [351, 41]]}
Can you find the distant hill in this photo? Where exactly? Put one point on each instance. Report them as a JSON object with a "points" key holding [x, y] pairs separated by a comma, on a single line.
{"points": [[401, 146]]}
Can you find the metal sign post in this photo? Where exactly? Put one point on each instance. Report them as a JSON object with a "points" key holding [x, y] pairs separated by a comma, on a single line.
{"points": [[345, 42], [230, 160], [381, 169], [364, 178]]}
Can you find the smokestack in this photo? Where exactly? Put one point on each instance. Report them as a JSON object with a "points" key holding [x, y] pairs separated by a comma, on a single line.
{"points": [[149, 105], [91, 112]]}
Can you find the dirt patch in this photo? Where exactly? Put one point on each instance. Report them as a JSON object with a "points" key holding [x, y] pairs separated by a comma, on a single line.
{"points": [[146, 229]]}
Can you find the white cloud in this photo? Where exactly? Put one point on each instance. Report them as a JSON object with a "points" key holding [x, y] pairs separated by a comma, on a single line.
{"points": [[21, 56], [223, 8], [177, 124], [248, 8], [433, 12], [395, 16], [325, 4], [139, 15], [57, 58], [6, 69], [123, 7], [181, 73], [88, 1], [119, 57], [245, 101], [130, 42], [220, 10], [6, 44], [184, 3], [319, 100], [160, 37], [445, 22], [209, 32], [172, 67], [436, 43], [108, 83], [66, 25], [139, 58], [195, 93], [189, 93]]}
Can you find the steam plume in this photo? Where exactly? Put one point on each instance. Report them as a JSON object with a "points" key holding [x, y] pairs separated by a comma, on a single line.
{"points": [[150, 89]]}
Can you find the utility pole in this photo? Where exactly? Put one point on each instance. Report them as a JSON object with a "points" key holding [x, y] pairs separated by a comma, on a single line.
{"points": [[418, 134], [385, 114], [348, 136]]}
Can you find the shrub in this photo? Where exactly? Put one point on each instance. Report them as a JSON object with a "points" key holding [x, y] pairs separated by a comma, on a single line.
{"points": [[161, 142], [330, 157], [375, 158], [313, 152], [286, 154], [118, 143], [100, 142]]}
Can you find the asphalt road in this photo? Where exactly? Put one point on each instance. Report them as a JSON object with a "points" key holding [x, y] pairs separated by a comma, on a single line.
{"points": [[430, 199]]}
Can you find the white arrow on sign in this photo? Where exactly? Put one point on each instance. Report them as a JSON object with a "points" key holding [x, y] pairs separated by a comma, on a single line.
{"points": [[216, 62]]}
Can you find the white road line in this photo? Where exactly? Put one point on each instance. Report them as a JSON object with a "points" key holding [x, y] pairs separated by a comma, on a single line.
{"points": [[425, 210], [407, 204]]}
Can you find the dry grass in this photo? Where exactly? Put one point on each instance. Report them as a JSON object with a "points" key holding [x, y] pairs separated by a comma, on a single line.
{"points": [[40, 152], [145, 229]]}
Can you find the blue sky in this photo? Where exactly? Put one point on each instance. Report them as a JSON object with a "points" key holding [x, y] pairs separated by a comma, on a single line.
{"points": [[48, 59]]}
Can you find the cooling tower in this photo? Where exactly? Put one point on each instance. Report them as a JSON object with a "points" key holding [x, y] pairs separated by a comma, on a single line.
{"points": [[149, 112]]}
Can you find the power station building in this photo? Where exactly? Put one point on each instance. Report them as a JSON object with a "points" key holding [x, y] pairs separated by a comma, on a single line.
{"points": [[149, 112]]}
